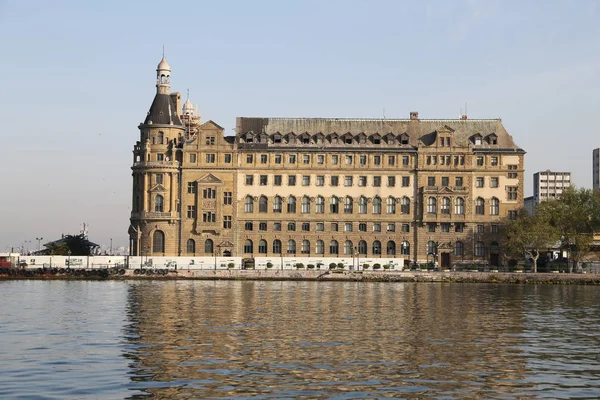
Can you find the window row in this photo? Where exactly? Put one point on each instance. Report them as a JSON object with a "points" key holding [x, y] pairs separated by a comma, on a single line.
{"points": [[320, 226], [305, 247], [335, 205], [445, 205], [210, 158], [334, 180], [458, 248], [320, 138]]}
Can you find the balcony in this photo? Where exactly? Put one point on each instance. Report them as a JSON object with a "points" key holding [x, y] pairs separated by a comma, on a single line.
{"points": [[154, 215], [157, 164]]}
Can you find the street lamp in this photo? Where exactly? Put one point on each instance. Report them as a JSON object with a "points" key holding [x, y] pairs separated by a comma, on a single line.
{"points": [[39, 239], [69, 258], [357, 254], [111, 246]]}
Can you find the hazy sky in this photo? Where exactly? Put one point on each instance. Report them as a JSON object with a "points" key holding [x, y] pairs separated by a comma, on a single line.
{"points": [[78, 78]]}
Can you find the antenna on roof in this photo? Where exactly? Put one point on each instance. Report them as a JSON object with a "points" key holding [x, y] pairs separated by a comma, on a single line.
{"points": [[163, 51]]}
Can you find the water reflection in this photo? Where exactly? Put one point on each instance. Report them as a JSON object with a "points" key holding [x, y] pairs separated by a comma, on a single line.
{"points": [[349, 340]]}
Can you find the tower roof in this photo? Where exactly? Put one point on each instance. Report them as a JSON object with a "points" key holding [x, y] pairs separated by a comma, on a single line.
{"points": [[163, 111], [163, 65]]}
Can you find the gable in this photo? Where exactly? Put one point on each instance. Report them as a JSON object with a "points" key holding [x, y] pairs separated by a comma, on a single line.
{"points": [[211, 125], [209, 178], [158, 188]]}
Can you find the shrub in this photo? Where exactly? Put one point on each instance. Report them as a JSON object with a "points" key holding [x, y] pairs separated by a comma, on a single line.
{"points": [[310, 266], [386, 266], [230, 265], [366, 266], [319, 265], [376, 266], [269, 265], [299, 265], [340, 265], [518, 268], [332, 265]]}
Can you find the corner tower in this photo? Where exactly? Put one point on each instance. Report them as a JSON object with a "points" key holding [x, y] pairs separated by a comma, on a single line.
{"points": [[155, 212]]}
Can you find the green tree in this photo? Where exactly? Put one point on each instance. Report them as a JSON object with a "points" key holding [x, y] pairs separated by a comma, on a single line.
{"points": [[575, 215], [529, 234]]}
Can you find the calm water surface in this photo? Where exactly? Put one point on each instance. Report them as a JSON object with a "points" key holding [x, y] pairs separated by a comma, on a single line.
{"points": [[196, 339]]}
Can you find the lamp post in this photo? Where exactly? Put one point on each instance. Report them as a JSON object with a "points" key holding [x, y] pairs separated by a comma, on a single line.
{"points": [[357, 254], [281, 254], [69, 258], [39, 239], [110, 246], [27, 246]]}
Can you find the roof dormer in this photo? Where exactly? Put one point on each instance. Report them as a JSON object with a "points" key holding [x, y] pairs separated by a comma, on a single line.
{"points": [[476, 139], [492, 138], [291, 138], [333, 138], [390, 138], [403, 138], [375, 138], [247, 137], [347, 138]]}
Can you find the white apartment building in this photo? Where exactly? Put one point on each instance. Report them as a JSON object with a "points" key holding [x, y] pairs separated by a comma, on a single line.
{"points": [[547, 185], [596, 170]]}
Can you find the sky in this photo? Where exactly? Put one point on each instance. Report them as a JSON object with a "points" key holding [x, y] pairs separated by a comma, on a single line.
{"points": [[78, 78]]}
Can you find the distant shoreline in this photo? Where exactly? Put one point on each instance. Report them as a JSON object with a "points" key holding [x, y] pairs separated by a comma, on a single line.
{"points": [[344, 276]]}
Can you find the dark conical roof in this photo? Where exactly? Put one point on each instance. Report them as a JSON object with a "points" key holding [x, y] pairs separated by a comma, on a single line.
{"points": [[163, 111]]}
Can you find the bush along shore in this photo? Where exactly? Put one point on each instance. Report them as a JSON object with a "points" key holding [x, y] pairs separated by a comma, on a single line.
{"points": [[301, 275]]}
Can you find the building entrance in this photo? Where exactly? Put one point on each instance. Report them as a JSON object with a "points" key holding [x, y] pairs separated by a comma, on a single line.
{"points": [[445, 260]]}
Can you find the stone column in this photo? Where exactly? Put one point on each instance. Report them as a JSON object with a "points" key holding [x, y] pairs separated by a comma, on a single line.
{"points": [[145, 189], [173, 192]]}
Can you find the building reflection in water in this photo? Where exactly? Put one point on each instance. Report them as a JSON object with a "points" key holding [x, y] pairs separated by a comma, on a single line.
{"points": [[318, 339]]}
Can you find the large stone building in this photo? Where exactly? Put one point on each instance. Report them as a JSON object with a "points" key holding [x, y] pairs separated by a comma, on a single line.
{"points": [[421, 189]]}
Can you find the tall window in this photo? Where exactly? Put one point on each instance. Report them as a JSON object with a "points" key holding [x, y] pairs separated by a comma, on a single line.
{"points": [[320, 205], [459, 249], [320, 247], [445, 205], [348, 205], [362, 247], [376, 205], [291, 247], [262, 246], [159, 203], [431, 247], [431, 205], [249, 204], [305, 247], [158, 242], [376, 247], [479, 249], [362, 205], [348, 247], [405, 205], [277, 204], [161, 138], [305, 204], [333, 247], [277, 246], [479, 206], [291, 205], [334, 205], [248, 247], [191, 246], [263, 204], [459, 206], [405, 248], [390, 249], [494, 206], [208, 246], [391, 205]]}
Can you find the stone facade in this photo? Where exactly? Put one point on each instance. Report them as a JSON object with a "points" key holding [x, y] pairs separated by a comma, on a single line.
{"points": [[425, 190]]}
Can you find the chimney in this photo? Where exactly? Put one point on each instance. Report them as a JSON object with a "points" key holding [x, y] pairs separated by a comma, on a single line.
{"points": [[414, 115]]}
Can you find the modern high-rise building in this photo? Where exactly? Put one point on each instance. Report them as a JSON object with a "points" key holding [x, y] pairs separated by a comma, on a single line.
{"points": [[596, 169], [547, 185], [422, 189]]}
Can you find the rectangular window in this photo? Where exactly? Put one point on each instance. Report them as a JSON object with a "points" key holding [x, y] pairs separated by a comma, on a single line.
{"points": [[227, 222], [320, 180], [376, 227], [431, 181], [249, 179], [262, 226], [335, 180], [377, 160], [458, 181], [192, 158], [377, 181], [306, 227], [445, 227], [494, 228], [249, 158], [512, 175], [192, 187], [391, 227], [320, 227], [227, 198], [362, 181], [479, 182], [292, 159], [335, 159], [480, 228], [362, 227], [512, 167], [277, 180], [494, 161], [209, 193], [306, 180], [512, 192], [405, 181], [306, 159], [160, 157], [263, 158], [210, 158], [334, 227], [277, 158], [455, 160], [445, 181], [431, 227], [277, 226], [494, 182], [347, 181], [191, 211], [391, 181], [459, 227], [228, 158], [320, 159], [209, 217], [391, 160], [263, 180], [210, 140], [159, 179], [348, 160], [405, 160], [479, 161], [462, 160], [348, 227], [248, 226], [291, 180], [363, 160]]}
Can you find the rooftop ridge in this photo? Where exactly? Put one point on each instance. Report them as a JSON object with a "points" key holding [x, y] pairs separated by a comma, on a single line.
{"points": [[375, 119]]}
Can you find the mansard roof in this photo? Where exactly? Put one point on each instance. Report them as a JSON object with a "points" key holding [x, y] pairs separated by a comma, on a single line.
{"points": [[162, 111]]}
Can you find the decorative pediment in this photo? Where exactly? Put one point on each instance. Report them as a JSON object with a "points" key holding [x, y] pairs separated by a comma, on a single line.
{"points": [[226, 243], [211, 125], [209, 178], [445, 129], [445, 189], [158, 188], [445, 245]]}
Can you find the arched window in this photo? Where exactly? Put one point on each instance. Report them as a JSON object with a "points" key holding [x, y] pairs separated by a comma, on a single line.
{"points": [[291, 247], [391, 248], [320, 205], [362, 247], [191, 246], [291, 205], [334, 247], [432, 205], [262, 246], [405, 205], [376, 205], [263, 204], [334, 205], [479, 249], [391, 205], [277, 246], [305, 247], [248, 247], [445, 205], [208, 246], [431, 247], [376, 247], [291, 226], [348, 208], [305, 205], [320, 247], [494, 206], [459, 249], [249, 204], [480, 206], [159, 203], [362, 205], [348, 248], [158, 242], [405, 248], [277, 204], [459, 206]]}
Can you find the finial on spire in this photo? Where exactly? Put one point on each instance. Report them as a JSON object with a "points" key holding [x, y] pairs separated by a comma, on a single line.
{"points": [[188, 94], [163, 51]]}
